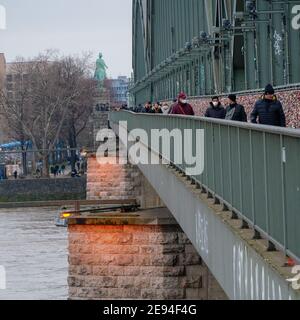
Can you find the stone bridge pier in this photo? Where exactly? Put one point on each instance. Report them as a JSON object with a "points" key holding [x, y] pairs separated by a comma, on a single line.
{"points": [[119, 182], [142, 255]]}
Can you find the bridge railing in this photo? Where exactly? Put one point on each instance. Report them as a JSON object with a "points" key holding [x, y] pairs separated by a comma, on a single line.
{"points": [[254, 170]]}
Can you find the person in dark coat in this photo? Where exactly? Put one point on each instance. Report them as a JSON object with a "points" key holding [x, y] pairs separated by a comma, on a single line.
{"points": [[157, 108], [139, 109], [235, 111], [216, 110], [268, 110], [148, 108], [183, 107]]}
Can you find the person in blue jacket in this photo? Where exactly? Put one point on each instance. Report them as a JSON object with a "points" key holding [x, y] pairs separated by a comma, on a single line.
{"points": [[268, 110]]}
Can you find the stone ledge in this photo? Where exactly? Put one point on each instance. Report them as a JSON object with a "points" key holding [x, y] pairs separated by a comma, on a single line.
{"points": [[158, 216]]}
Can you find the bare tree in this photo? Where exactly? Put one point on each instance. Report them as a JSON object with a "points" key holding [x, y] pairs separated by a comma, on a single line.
{"points": [[81, 106], [15, 105], [54, 87]]}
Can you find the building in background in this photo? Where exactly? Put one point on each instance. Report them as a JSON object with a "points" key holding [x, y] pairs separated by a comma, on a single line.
{"points": [[13, 81], [16, 78], [2, 70], [119, 90], [207, 47], [3, 137]]}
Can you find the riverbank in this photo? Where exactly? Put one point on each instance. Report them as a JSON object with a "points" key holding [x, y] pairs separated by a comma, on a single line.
{"points": [[43, 189]]}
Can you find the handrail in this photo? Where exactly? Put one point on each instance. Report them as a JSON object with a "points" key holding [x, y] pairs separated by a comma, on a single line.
{"points": [[243, 125], [252, 169]]}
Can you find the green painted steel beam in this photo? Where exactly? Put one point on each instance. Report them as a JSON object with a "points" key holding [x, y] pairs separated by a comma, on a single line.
{"points": [[251, 52]]}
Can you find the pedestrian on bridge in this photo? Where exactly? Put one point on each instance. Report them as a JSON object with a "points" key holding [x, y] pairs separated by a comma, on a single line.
{"points": [[173, 105], [268, 110], [183, 107], [165, 108], [157, 108], [148, 107], [139, 109], [215, 110], [235, 111]]}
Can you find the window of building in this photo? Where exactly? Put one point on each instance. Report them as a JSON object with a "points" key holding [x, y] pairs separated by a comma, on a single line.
{"points": [[9, 78], [10, 86]]}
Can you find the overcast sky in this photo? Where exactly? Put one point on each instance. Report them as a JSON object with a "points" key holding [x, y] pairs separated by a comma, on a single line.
{"points": [[72, 26]]}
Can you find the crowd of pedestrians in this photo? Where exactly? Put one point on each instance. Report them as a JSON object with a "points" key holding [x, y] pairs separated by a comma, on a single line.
{"points": [[267, 110]]}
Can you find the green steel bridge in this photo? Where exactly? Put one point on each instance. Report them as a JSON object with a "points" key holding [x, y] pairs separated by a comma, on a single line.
{"points": [[204, 47], [252, 172]]}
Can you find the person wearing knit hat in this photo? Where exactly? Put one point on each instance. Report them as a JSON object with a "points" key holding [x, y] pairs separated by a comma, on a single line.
{"points": [[269, 110], [232, 97], [183, 107], [235, 111], [269, 90]]}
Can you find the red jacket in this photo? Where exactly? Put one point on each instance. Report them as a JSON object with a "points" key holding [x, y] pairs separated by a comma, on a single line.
{"points": [[183, 109]]}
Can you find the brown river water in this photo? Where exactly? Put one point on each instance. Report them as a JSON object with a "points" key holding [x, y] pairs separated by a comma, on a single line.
{"points": [[33, 253]]}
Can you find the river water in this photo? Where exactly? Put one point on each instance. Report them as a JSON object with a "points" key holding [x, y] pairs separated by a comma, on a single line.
{"points": [[33, 253]]}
